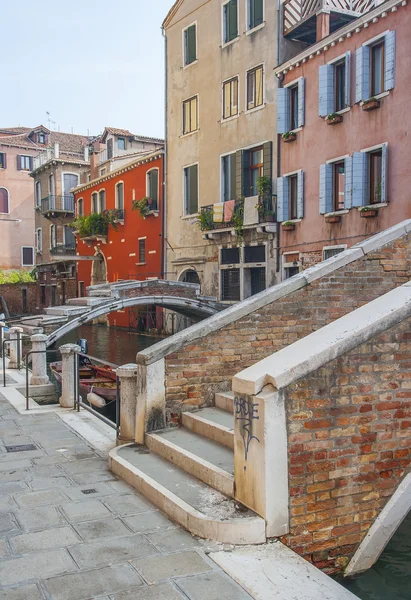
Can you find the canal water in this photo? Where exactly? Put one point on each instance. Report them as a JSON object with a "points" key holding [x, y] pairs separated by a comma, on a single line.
{"points": [[390, 577]]}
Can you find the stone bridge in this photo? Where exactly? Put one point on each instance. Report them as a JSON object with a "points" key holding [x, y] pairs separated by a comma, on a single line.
{"points": [[103, 299]]}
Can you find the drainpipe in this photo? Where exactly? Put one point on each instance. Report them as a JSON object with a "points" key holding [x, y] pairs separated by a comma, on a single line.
{"points": [[164, 224], [278, 258]]}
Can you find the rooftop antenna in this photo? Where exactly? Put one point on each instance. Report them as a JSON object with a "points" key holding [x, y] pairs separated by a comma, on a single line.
{"points": [[50, 122]]}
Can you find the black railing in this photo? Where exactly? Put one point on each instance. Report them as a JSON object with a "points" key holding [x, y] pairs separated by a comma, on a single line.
{"points": [[118, 214], [57, 204], [266, 214], [62, 249]]}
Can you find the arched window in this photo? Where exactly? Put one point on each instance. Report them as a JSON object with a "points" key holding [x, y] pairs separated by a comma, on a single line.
{"points": [[80, 207], [39, 240], [94, 202], [120, 195], [38, 193], [4, 201], [190, 276], [53, 236], [102, 200], [152, 188]]}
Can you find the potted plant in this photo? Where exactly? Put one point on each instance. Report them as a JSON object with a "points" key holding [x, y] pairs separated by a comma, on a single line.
{"points": [[143, 206], [333, 218], [289, 136], [333, 119], [371, 104], [368, 212], [204, 219], [288, 226], [238, 218]]}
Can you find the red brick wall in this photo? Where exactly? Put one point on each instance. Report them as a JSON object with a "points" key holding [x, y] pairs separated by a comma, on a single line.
{"points": [[349, 439], [195, 372], [12, 293]]}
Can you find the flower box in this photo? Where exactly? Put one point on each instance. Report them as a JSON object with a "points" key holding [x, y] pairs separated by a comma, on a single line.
{"points": [[368, 214], [334, 119], [333, 219], [288, 226], [289, 137], [371, 104]]}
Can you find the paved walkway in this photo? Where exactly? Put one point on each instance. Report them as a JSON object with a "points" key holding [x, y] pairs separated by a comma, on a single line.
{"points": [[69, 530]]}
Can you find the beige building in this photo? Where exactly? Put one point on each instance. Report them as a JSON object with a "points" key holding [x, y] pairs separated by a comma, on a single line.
{"points": [[221, 145]]}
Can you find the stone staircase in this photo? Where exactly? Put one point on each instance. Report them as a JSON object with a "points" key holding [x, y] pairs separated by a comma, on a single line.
{"points": [[188, 472]]}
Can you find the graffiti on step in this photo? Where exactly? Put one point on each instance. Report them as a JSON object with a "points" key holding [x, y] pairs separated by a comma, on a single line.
{"points": [[246, 411]]}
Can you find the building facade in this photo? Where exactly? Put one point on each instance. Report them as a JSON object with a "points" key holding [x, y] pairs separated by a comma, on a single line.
{"points": [[344, 165], [120, 231], [221, 97]]}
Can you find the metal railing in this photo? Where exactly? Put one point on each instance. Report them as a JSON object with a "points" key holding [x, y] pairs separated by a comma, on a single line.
{"points": [[26, 361], [61, 249], [297, 11], [266, 213], [19, 357], [57, 203]]}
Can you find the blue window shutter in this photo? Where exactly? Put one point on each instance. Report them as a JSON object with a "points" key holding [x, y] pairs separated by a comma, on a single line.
{"points": [[283, 110], [359, 178], [300, 195], [326, 187], [326, 90], [384, 173], [282, 199], [389, 67], [362, 74], [347, 100], [348, 182], [301, 101]]}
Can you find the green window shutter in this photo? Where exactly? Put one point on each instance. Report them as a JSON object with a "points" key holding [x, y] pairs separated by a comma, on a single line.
{"points": [[255, 8], [239, 173], [232, 20], [190, 44]]}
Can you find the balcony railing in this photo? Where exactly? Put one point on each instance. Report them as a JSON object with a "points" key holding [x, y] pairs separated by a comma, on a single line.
{"points": [[296, 12], [266, 214], [63, 249], [57, 204]]}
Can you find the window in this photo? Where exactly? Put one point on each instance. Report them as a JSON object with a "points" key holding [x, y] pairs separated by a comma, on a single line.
{"points": [[230, 284], [375, 67], [375, 170], [42, 294], [3, 160], [230, 256], [256, 277], [80, 207], [102, 172], [53, 236], [254, 254], [291, 271], [191, 190], [4, 201], [120, 196], [253, 169], [329, 251], [230, 98], [142, 251], [38, 193], [228, 174], [39, 240], [338, 185], [190, 115], [290, 106], [230, 21], [69, 239], [102, 199], [339, 91], [290, 197], [52, 185], [121, 143], [94, 202], [110, 148], [152, 188], [81, 289], [41, 138], [334, 86], [255, 87], [24, 163], [27, 256], [190, 44], [255, 13]]}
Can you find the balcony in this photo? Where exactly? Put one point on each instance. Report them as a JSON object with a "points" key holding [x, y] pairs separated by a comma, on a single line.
{"points": [[300, 16], [64, 249], [57, 206], [266, 209]]}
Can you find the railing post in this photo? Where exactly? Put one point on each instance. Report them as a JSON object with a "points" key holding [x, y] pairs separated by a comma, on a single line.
{"points": [[15, 347], [68, 388], [2, 326], [128, 402], [150, 409], [39, 360]]}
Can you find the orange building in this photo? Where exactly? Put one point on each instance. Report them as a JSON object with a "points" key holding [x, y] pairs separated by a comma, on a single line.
{"points": [[120, 228]]}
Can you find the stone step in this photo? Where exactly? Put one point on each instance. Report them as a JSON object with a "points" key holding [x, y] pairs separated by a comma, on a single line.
{"points": [[66, 311], [225, 401], [212, 423], [186, 500], [85, 301], [208, 461]]}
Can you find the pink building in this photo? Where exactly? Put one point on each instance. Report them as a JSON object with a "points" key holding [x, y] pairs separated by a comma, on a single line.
{"points": [[344, 131]]}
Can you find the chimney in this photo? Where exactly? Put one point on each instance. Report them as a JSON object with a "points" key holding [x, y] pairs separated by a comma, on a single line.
{"points": [[56, 150], [322, 26], [86, 153]]}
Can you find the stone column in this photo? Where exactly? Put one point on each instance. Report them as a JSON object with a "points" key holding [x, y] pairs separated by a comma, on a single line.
{"points": [[150, 410], [16, 348], [128, 402], [69, 356], [39, 361]]}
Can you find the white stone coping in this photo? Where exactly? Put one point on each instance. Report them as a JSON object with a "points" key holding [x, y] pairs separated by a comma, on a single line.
{"points": [[382, 530], [281, 290], [320, 347]]}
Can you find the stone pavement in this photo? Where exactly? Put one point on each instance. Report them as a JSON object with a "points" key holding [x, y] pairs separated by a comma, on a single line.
{"points": [[70, 530]]}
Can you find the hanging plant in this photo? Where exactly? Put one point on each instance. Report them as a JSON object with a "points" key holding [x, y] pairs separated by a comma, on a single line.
{"points": [[143, 206], [238, 219], [205, 220]]}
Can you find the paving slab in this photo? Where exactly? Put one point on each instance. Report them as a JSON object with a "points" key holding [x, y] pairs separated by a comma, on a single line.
{"points": [[95, 490], [85, 511], [163, 591], [43, 483], [7, 524], [7, 504], [13, 465], [128, 504], [59, 537], [102, 528], [39, 518], [43, 497], [37, 565], [4, 550], [212, 586], [180, 564], [173, 540], [92, 583], [12, 487], [86, 478], [86, 466], [24, 592], [149, 522]]}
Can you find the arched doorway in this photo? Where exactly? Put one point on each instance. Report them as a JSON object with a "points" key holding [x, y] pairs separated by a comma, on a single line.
{"points": [[99, 269], [189, 276]]}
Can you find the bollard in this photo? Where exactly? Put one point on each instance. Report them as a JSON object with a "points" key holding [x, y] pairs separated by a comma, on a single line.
{"points": [[16, 348], [39, 361], [69, 356], [2, 326], [128, 402]]}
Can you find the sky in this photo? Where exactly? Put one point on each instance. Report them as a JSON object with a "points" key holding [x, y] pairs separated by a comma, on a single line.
{"points": [[89, 63]]}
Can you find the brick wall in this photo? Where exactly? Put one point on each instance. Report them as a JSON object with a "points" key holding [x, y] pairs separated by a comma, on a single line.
{"points": [[13, 295], [196, 371], [349, 435]]}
